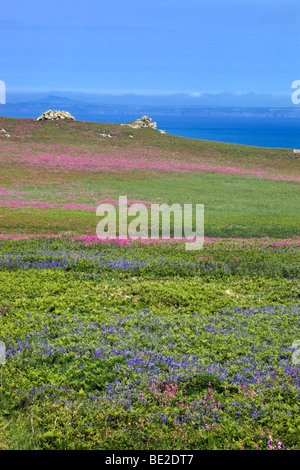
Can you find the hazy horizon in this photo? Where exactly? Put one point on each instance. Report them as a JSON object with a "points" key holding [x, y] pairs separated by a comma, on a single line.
{"points": [[250, 99]]}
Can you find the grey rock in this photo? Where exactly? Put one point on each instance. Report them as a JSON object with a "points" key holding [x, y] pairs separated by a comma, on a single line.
{"points": [[105, 135], [4, 132], [144, 121], [55, 115]]}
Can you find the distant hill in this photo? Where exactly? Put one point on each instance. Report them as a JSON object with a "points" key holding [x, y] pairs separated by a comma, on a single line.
{"points": [[250, 99], [178, 105]]}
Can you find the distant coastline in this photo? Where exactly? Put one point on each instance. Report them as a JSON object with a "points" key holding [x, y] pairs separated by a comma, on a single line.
{"points": [[256, 128], [182, 115]]}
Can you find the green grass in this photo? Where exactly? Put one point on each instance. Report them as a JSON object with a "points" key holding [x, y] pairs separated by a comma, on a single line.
{"points": [[234, 206], [145, 346]]}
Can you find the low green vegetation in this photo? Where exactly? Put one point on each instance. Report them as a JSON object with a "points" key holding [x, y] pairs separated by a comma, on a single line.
{"points": [[149, 346]]}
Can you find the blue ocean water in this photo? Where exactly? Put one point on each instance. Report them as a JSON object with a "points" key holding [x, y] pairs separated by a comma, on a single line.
{"points": [[273, 132], [256, 131]]}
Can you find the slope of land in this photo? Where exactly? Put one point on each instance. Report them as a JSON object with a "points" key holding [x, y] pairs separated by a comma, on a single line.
{"points": [[54, 175]]}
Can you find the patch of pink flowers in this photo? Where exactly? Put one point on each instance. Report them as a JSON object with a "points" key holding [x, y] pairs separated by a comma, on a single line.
{"points": [[272, 444], [69, 206], [92, 239], [163, 393], [68, 157]]}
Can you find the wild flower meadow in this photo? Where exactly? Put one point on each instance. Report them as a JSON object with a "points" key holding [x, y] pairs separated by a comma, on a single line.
{"points": [[142, 344], [148, 346]]}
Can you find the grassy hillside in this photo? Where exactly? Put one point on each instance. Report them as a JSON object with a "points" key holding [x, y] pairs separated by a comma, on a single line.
{"points": [[54, 174]]}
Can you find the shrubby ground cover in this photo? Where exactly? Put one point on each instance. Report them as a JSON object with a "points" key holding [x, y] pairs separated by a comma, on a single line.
{"points": [[149, 346]]}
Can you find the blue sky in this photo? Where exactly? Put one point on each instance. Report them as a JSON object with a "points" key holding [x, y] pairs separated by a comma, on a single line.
{"points": [[157, 46]]}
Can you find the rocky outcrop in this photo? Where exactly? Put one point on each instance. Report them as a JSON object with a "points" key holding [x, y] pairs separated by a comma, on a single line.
{"points": [[145, 121], [55, 115], [296, 151]]}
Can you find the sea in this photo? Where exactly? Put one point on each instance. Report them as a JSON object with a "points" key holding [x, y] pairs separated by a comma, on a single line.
{"points": [[270, 132], [256, 131]]}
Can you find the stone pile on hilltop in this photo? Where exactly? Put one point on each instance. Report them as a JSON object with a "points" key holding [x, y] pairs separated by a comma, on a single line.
{"points": [[144, 121], [55, 115]]}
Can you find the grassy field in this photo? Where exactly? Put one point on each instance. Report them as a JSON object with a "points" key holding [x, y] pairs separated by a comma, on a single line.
{"points": [[54, 175], [146, 345]]}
